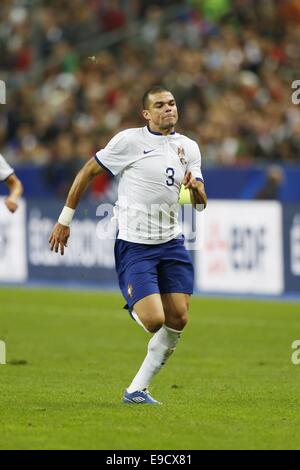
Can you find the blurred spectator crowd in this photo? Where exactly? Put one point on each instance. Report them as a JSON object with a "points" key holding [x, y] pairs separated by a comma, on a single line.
{"points": [[229, 63]]}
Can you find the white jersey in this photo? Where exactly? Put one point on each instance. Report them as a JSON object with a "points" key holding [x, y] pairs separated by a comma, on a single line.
{"points": [[151, 168], [5, 169]]}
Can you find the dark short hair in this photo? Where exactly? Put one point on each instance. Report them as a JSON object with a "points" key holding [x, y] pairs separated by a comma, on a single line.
{"points": [[151, 91]]}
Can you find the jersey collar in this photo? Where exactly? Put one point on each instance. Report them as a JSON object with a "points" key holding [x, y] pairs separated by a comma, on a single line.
{"points": [[158, 133]]}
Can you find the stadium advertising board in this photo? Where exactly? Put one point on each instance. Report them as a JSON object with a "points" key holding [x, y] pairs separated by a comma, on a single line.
{"points": [[89, 257], [13, 262], [291, 223], [242, 248]]}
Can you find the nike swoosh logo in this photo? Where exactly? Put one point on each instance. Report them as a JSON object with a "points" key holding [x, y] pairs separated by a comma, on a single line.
{"points": [[148, 151]]}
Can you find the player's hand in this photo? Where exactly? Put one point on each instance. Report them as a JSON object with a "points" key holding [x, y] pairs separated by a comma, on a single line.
{"points": [[198, 195], [11, 204], [189, 181], [59, 238]]}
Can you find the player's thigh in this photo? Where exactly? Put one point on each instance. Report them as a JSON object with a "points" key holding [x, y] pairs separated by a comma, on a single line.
{"points": [[151, 312], [176, 307], [136, 267], [175, 271]]}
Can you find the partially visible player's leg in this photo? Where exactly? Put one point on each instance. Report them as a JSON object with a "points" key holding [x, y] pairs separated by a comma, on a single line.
{"points": [[176, 307], [176, 279], [136, 267], [138, 280], [151, 315], [141, 282], [150, 312], [176, 316], [155, 310], [164, 341]]}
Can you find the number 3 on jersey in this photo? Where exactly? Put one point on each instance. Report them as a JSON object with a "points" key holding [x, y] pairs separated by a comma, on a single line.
{"points": [[170, 172]]}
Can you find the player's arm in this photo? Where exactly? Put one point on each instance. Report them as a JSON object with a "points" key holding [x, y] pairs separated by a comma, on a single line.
{"points": [[197, 191], [61, 232], [15, 192]]}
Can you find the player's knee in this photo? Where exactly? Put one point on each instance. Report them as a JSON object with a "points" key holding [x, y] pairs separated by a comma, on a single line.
{"points": [[181, 320], [178, 319], [155, 323]]}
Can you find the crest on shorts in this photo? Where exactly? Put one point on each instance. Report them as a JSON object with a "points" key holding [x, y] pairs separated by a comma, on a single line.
{"points": [[130, 290], [181, 155]]}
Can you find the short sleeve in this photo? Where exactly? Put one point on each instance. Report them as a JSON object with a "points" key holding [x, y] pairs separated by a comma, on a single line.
{"points": [[194, 163], [114, 157], [5, 169]]}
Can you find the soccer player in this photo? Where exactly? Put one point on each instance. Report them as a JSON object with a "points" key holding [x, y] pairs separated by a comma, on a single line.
{"points": [[15, 186], [153, 266]]}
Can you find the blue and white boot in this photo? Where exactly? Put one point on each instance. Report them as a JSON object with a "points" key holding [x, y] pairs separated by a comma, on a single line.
{"points": [[140, 397]]}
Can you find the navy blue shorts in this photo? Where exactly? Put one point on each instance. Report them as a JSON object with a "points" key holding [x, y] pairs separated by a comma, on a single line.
{"points": [[153, 269]]}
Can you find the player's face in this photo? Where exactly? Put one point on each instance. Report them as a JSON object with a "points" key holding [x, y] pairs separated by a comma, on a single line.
{"points": [[162, 114]]}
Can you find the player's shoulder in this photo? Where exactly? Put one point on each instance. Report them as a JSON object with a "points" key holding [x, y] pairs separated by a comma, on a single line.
{"points": [[187, 141], [123, 139], [126, 138], [3, 161], [129, 134]]}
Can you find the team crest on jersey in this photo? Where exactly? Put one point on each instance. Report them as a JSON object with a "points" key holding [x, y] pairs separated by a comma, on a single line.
{"points": [[181, 155], [130, 290]]}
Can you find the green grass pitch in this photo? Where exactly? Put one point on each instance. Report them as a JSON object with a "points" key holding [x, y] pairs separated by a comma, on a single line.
{"points": [[230, 385]]}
